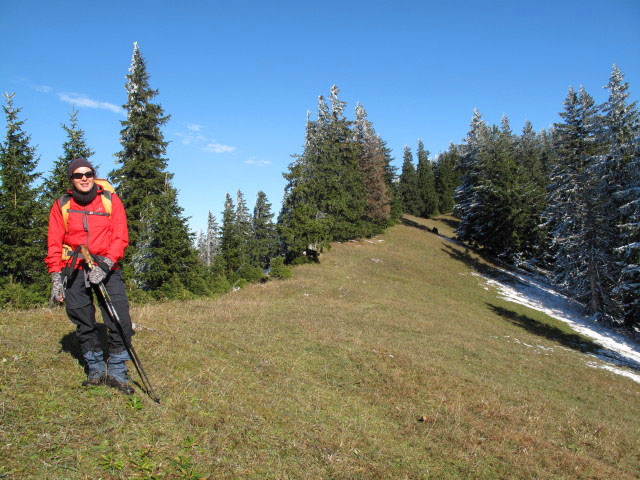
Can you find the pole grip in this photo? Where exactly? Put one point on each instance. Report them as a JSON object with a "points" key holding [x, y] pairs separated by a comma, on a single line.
{"points": [[87, 256]]}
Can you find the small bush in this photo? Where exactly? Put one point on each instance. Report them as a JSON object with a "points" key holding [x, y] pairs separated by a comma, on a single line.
{"points": [[138, 296], [218, 285], [251, 274], [301, 260], [277, 268], [16, 295], [173, 290]]}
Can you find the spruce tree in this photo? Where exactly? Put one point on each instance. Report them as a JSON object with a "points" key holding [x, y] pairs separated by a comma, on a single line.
{"points": [[141, 176], [470, 167], [500, 216], [620, 170], [372, 164], [244, 232], [529, 152], [392, 181], [22, 230], [230, 241], [265, 235], [300, 224], [208, 241], [426, 183], [575, 215], [627, 287], [447, 178], [74, 147], [165, 260], [168, 262], [337, 186], [324, 197], [408, 185], [212, 238]]}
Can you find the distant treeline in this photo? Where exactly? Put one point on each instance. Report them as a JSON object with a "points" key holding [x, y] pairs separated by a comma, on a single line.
{"points": [[564, 200]]}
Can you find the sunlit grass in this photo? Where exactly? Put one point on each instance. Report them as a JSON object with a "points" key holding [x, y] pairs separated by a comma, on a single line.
{"points": [[387, 360]]}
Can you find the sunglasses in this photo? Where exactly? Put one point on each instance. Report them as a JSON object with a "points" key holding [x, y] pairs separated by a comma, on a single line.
{"points": [[78, 176]]}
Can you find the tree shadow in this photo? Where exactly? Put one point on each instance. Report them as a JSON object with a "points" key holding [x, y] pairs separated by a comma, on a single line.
{"points": [[411, 223], [462, 254], [569, 340], [451, 222]]}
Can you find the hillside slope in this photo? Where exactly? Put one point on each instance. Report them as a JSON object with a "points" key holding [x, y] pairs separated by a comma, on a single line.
{"points": [[389, 359]]}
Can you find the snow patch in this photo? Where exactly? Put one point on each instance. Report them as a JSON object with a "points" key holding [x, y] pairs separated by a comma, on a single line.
{"points": [[535, 292]]}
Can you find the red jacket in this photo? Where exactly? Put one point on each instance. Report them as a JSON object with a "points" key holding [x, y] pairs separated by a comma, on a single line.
{"points": [[107, 236]]}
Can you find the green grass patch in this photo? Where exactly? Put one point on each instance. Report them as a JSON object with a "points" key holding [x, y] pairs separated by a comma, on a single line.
{"points": [[389, 359]]}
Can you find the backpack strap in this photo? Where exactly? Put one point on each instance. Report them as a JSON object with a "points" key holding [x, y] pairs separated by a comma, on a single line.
{"points": [[65, 207], [69, 270]]}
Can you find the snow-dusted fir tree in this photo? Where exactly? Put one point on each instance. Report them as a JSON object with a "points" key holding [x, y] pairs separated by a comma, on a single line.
{"points": [[408, 185], [22, 232], [627, 289], [500, 213], [529, 152], [620, 170], [470, 166], [144, 185], [338, 185], [325, 190], [575, 215], [141, 172], [300, 224], [426, 183], [372, 163], [75, 146], [265, 235]]}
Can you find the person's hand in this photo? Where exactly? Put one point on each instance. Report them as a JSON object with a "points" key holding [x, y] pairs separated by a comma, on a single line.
{"points": [[57, 290], [99, 272]]}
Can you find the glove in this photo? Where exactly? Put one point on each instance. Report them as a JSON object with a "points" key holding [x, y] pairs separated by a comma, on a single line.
{"points": [[57, 291], [99, 272]]}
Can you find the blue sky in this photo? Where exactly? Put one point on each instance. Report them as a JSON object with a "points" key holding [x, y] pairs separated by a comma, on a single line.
{"points": [[237, 78]]}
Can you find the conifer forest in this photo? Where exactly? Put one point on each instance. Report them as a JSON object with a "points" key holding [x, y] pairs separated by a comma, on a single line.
{"points": [[563, 202]]}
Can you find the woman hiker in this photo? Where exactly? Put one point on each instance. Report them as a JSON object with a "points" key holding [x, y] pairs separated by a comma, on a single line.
{"points": [[91, 216]]}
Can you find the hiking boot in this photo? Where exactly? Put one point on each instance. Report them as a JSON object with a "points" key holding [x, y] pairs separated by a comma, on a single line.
{"points": [[94, 362], [117, 372], [93, 381], [119, 385]]}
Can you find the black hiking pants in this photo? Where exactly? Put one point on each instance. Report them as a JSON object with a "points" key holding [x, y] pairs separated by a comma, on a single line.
{"points": [[82, 312]]}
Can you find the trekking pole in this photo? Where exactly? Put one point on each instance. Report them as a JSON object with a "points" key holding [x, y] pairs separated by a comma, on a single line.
{"points": [[114, 315]]}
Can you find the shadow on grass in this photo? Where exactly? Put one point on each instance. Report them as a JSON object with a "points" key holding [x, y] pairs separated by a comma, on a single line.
{"points": [[461, 253], [69, 343], [569, 340], [452, 222], [411, 223]]}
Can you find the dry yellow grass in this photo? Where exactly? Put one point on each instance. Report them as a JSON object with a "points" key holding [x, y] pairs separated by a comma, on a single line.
{"points": [[387, 360]]}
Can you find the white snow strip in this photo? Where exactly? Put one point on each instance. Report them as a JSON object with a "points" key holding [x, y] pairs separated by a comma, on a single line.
{"points": [[536, 293], [625, 373]]}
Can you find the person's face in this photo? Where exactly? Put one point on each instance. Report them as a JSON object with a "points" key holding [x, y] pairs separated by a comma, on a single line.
{"points": [[85, 183]]}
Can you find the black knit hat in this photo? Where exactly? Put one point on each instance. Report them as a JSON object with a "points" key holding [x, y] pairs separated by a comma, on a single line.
{"points": [[77, 163]]}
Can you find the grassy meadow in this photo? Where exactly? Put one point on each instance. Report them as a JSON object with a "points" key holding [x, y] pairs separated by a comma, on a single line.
{"points": [[389, 359]]}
